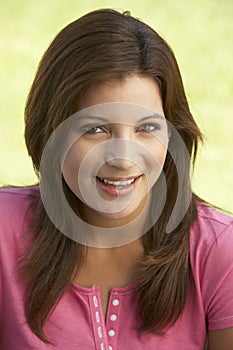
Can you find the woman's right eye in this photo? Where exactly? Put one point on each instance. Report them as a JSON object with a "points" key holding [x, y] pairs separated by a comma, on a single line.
{"points": [[91, 129]]}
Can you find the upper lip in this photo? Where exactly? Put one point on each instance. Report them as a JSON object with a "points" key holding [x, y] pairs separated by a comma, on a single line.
{"points": [[122, 178]]}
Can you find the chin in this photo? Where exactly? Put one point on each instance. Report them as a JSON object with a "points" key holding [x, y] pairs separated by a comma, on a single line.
{"points": [[123, 217]]}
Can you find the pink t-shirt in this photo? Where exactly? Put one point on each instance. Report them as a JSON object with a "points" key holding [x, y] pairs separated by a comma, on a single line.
{"points": [[77, 322]]}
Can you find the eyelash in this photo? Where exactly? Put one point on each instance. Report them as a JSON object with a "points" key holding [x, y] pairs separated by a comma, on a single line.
{"points": [[154, 126], [88, 129]]}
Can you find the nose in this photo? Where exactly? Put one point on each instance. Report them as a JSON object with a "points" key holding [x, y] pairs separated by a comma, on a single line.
{"points": [[121, 154]]}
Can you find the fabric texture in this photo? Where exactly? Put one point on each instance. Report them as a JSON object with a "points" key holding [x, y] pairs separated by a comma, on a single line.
{"points": [[77, 321]]}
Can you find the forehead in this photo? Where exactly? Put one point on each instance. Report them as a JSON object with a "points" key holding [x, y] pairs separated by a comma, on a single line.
{"points": [[135, 89], [118, 112]]}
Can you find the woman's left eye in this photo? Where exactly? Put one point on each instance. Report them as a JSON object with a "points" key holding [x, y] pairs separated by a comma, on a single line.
{"points": [[149, 127]]}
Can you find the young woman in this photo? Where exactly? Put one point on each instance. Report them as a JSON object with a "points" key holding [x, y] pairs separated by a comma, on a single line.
{"points": [[111, 249]]}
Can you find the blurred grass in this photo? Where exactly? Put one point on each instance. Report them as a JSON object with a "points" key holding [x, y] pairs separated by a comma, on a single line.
{"points": [[200, 33]]}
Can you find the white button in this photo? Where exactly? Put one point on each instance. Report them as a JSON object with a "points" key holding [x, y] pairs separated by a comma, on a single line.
{"points": [[115, 302], [95, 301], [102, 346], [110, 347], [111, 333], [113, 317], [97, 316], [100, 332]]}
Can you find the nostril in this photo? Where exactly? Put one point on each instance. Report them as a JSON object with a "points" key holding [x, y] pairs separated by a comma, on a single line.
{"points": [[120, 163]]}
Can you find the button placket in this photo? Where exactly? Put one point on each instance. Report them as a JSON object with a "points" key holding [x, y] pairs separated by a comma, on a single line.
{"points": [[113, 317], [98, 321], [112, 324]]}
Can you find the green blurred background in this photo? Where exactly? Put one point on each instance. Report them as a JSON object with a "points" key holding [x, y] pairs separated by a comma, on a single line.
{"points": [[199, 31]]}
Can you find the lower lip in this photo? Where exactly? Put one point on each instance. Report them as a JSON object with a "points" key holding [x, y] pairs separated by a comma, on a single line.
{"points": [[117, 190]]}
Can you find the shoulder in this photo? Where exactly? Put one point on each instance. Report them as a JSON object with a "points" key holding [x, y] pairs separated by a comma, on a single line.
{"points": [[211, 246], [16, 206], [8, 194], [211, 243], [11, 197], [211, 237], [211, 227]]}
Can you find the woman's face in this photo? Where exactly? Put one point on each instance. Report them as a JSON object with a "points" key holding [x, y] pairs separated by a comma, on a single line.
{"points": [[119, 152]]}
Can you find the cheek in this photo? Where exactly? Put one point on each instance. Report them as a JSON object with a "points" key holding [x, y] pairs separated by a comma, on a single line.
{"points": [[159, 153], [154, 162], [162, 155], [73, 161]]}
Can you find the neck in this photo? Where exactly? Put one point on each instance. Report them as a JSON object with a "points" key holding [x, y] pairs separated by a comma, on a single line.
{"points": [[110, 235]]}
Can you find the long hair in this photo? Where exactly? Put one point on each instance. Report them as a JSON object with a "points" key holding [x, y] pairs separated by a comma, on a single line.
{"points": [[101, 46]]}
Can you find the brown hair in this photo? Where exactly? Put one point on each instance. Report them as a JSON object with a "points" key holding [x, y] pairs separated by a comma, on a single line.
{"points": [[106, 45]]}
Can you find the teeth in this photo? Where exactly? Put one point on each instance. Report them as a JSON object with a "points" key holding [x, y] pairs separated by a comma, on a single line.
{"points": [[118, 183]]}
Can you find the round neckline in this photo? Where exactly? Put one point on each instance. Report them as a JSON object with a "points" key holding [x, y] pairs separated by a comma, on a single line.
{"points": [[129, 288]]}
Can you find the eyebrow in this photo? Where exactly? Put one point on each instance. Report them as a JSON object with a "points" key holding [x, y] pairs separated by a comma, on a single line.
{"points": [[153, 116], [91, 117]]}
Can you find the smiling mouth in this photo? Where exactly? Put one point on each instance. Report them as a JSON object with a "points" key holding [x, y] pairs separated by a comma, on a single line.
{"points": [[119, 182], [116, 186]]}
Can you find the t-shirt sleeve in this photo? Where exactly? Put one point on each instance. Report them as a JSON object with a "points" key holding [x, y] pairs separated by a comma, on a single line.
{"points": [[217, 281]]}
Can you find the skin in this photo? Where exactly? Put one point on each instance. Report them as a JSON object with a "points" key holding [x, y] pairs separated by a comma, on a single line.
{"points": [[220, 339], [96, 268], [152, 152]]}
